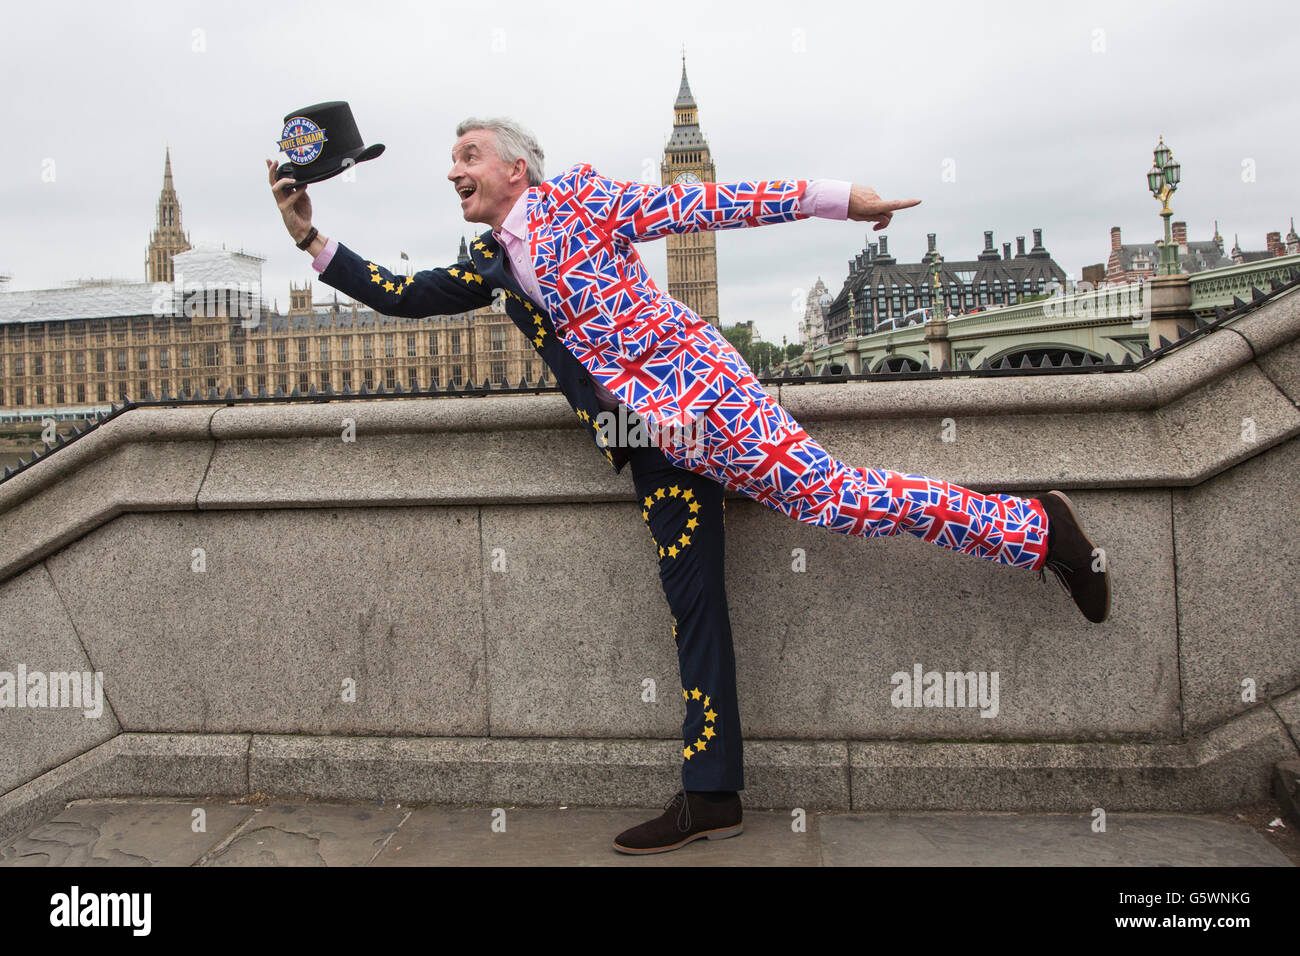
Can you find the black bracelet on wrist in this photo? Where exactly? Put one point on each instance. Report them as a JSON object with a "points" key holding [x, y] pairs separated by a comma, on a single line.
{"points": [[307, 239]]}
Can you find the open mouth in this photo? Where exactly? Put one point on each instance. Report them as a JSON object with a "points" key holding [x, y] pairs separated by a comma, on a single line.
{"points": [[466, 191]]}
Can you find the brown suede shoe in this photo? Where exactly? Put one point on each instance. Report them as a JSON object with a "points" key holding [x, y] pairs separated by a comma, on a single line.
{"points": [[687, 817], [1071, 557]]}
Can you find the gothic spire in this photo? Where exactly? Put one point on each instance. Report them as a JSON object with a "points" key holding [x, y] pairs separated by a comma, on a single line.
{"points": [[168, 236], [685, 101]]}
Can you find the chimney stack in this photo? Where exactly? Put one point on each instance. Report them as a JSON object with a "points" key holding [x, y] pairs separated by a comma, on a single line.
{"points": [[1038, 241], [1006, 250], [884, 246], [929, 241], [989, 253], [1114, 239], [1180, 233], [1274, 244], [871, 251], [1020, 246]]}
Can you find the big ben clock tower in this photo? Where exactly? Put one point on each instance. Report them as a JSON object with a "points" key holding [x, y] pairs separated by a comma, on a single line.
{"points": [[693, 257]]}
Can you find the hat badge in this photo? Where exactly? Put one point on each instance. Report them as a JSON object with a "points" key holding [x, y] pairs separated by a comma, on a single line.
{"points": [[302, 140]]}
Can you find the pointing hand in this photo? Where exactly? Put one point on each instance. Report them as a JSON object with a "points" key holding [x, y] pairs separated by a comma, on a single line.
{"points": [[865, 205]]}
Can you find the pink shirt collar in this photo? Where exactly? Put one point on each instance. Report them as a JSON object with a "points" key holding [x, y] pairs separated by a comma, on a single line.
{"points": [[514, 223]]}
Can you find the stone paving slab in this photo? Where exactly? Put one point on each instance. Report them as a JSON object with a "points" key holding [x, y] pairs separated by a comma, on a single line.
{"points": [[147, 832], [442, 836], [124, 833], [310, 835], [965, 839]]}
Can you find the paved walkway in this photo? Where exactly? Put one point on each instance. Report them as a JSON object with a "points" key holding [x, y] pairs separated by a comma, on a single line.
{"points": [[144, 832]]}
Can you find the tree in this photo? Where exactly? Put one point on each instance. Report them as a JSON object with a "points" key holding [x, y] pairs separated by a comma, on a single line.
{"points": [[741, 338], [766, 354], [756, 353]]}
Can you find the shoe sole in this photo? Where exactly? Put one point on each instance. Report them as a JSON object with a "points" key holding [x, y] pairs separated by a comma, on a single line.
{"points": [[721, 833], [1069, 506]]}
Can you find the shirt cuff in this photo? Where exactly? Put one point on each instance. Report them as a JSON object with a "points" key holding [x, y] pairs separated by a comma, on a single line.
{"points": [[326, 254], [827, 198]]}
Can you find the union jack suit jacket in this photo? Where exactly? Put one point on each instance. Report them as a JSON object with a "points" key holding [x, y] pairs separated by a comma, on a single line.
{"points": [[602, 317]]}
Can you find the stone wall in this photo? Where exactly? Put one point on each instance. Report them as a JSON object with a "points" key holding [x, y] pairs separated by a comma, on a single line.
{"points": [[325, 561]]}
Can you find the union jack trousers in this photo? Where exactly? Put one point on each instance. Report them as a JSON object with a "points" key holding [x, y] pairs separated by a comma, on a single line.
{"points": [[752, 445]]}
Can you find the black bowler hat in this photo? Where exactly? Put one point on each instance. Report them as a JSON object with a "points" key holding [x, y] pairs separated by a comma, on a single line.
{"points": [[322, 141]]}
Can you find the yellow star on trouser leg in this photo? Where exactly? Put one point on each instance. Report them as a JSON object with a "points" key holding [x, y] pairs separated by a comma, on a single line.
{"points": [[687, 753]]}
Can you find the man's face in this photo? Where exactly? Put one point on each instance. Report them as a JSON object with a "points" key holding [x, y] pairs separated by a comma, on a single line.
{"points": [[487, 185]]}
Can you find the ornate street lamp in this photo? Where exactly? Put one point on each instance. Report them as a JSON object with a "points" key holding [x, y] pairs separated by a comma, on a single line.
{"points": [[936, 295], [1162, 180]]}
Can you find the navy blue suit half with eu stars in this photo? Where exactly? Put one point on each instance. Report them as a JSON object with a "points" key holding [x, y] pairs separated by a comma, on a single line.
{"points": [[683, 511]]}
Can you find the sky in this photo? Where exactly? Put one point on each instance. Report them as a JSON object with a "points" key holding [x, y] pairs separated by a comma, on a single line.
{"points": [[1002, 116]]}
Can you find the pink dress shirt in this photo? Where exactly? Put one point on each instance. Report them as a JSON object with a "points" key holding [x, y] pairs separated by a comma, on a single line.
{"points": [[826, 198]]}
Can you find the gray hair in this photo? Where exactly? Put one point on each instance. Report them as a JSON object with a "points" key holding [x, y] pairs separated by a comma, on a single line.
{"points": [[513, 142]]}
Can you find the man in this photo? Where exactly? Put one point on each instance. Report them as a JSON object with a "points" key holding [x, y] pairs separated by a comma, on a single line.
{"points": [[562, 249]]}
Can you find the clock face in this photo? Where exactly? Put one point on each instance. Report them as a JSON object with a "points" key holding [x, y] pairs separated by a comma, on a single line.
{"points": [[688, 178]]}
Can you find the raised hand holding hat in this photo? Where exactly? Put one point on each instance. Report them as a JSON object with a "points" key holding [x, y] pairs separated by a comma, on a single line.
{"points": [[322, 141]]}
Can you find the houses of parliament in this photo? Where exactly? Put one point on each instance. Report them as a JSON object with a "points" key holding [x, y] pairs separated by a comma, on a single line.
{"points": [[71, 349]]}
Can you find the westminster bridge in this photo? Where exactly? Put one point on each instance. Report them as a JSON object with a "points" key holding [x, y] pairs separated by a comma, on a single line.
{"points": [[1096, 326]]}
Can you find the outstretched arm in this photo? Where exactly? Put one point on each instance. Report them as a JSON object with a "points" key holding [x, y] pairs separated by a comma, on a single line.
{"points": [[641, 212], [430, 292]]}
